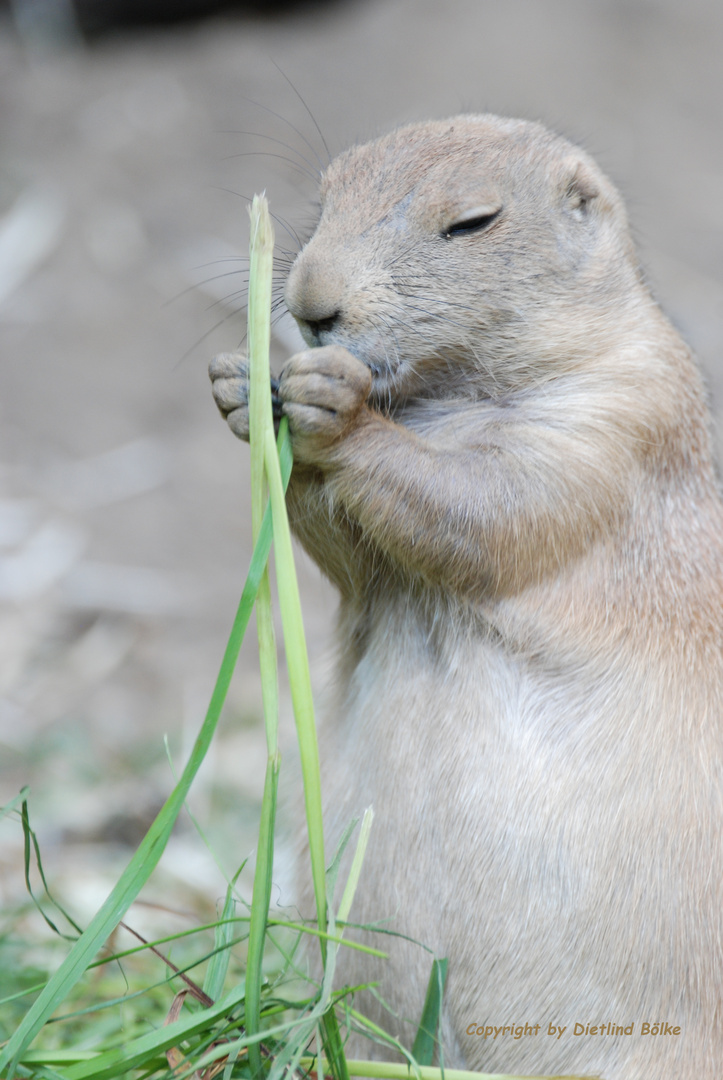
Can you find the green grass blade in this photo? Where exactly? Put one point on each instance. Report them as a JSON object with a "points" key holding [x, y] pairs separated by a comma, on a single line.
{"points": [[260, 425], [385, 1070], [302, 700], [58, 1057], [21, 796], [42, 1072], [331, 1035], [111, 1064], [354, 873], [222, 937], [118, 1062], [31, 844], [333, 1045], [259, 334], [260, 909], [299, 679], [425, 1040], [153, 844]]}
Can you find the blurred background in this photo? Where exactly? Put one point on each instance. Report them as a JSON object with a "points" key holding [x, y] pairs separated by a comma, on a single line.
{"points": [[131, 135]]}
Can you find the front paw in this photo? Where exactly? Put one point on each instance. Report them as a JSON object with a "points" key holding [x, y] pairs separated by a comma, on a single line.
{"points": [[323, 392], [229, 374]]}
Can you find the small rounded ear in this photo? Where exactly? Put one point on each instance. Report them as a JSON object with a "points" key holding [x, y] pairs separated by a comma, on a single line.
{"points": [[581, 186]]}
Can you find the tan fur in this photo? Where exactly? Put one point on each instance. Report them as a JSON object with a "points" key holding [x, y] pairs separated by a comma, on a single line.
{"points": [[502, 461]]}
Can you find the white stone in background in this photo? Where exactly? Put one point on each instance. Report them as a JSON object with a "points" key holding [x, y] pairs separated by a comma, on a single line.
{"points": [[44, 559], [101, 649], [132, 469], [18, 517], [134, 590], [189, 861], [29, 233]]}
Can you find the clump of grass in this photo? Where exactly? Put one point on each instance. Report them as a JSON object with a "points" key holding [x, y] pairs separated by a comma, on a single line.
{"points": [[266, 1021]]}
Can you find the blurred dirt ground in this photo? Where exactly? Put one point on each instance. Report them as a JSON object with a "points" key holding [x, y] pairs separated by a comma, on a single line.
{"points": [[124, 523]]}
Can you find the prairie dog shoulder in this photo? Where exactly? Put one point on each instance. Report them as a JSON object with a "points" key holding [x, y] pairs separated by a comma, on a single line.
{"points": [[502, 461]]}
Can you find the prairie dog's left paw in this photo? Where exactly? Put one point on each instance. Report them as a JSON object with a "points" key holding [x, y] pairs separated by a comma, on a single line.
{"points": [[323, 392]]}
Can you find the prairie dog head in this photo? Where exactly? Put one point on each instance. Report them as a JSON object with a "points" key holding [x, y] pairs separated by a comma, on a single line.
{"points": [[474, 250]]}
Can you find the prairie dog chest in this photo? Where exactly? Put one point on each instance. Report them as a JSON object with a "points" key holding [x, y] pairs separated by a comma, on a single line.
{"points": [[431, 696]]}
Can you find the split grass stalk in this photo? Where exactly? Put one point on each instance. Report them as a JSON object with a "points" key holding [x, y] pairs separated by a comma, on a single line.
{"points": [[261, 422], [265, 465]]}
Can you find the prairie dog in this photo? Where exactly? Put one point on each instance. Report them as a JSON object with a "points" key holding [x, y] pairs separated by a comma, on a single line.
{"points": [[502, 461]]}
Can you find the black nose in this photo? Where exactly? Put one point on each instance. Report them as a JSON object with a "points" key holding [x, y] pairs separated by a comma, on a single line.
{"points": [[322, 326]]}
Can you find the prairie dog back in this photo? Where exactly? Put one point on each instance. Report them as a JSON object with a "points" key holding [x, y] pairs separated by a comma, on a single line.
{"points": [[502, 461]]}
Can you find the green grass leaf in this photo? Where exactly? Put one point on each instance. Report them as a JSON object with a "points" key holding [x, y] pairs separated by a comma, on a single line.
{"points": [[299, 679], [31, 844], [425, 1040], [386, 1070], [261, 426], [222, 937]]}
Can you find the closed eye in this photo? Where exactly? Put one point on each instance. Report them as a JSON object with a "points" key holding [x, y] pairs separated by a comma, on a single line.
{"points": [[471, 223]]}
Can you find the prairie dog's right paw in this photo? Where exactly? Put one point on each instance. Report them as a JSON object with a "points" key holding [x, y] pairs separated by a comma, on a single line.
{"points": [[229, 375]]}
